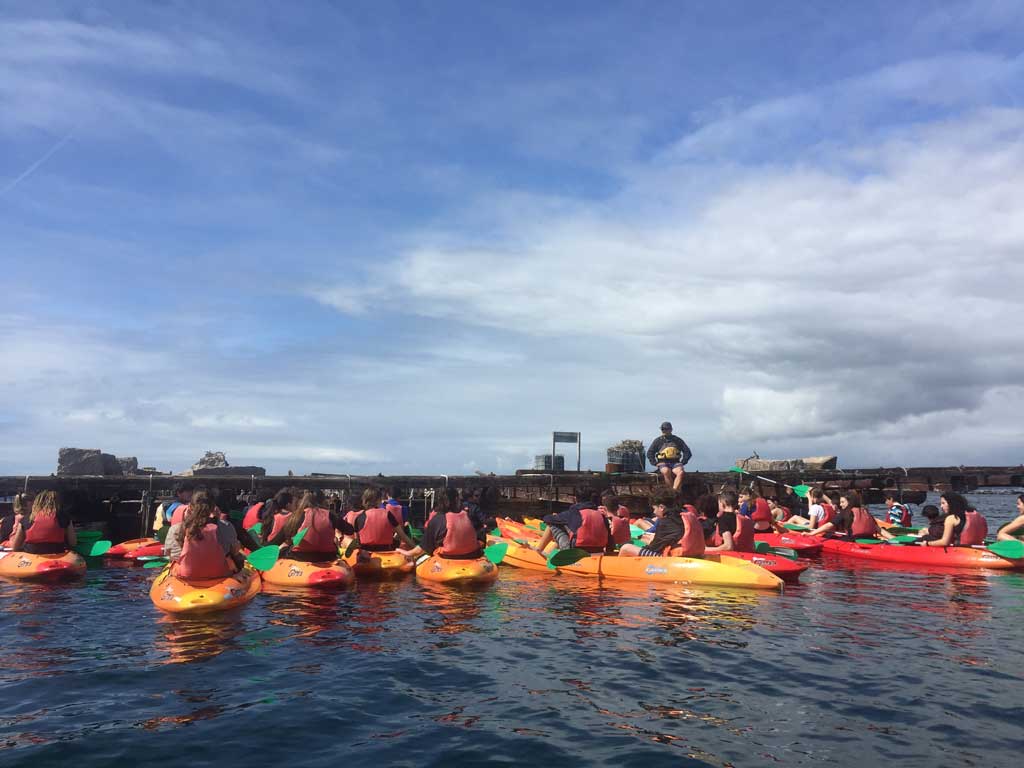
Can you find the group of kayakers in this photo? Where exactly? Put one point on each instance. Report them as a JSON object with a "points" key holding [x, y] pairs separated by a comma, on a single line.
{"points": [[38, 525]]}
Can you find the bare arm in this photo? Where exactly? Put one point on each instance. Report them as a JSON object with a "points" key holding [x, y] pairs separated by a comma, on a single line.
{"points": [[947, 534]]}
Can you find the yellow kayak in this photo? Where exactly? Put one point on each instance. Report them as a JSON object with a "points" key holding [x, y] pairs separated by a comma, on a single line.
{"points": [[730, 572], [440, 569], [173, 595]]}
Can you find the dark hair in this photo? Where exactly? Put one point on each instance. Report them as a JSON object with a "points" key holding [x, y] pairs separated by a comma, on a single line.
{"points": [[584, 495], [665, 496], [890, 495], [1020, 498], [610, 500], [270, 508], [957, 503], [729, 498], [371, 498], [200, 509], [853, 497], [930, 511], [183, 486]]}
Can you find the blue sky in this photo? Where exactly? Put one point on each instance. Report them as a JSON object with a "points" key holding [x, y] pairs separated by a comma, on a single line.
{"points": [[417, 237]]}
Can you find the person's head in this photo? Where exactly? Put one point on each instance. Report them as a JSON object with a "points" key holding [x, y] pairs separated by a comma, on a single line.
{"points": [[930, 511], [666, 427], [816, 495], [183, 492], [953, 504], [308, 500], [23, 503], [200, 510], [727, 501], [371, 498], [281, 502], [1020, 504], [849, 499], [442, 502], [773, 503], [743, 495], [664, 502], [585, 495], [48, 501], [609, 500], [890, 500]]}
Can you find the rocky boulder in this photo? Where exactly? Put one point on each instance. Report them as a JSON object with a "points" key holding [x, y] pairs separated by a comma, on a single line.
{"points": [[788, 465], [87, 461], [129, 465]]}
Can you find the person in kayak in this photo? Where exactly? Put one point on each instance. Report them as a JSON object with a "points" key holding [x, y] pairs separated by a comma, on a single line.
{"points": [[669, 454], [760, 514], [376, 528], [182, 495], [933, 531], [275, 514], [202, 545], [580, 526], [820, 513], [953, 514], [679, 534], [732, 531], [780, 513], [1015, 527], [318, 543], [854, 521], [975, 527], [254, 514], [898, 512], [47, 529], [452, 535], [618, 517]]}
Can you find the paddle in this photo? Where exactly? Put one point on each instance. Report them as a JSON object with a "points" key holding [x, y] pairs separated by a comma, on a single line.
{"points": [[257, 529], [562, 557], [795, 527], [799, 490], [496, 552], [1011, 550], [93, 549], [159, 562], [263, 559], [764, 548]]}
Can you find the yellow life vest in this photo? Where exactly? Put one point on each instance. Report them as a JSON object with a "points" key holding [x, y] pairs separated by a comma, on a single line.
{"points": [[669, 453]]}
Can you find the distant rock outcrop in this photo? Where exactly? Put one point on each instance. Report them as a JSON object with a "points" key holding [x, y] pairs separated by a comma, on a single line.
{"points": [[787, 465], [87, 461], [129, 465], [214, 463]]}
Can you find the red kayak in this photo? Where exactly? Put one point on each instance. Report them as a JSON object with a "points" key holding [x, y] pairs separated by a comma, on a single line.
{"points": [[125, 548], [801, 542], [947, 557], [781, 566]]}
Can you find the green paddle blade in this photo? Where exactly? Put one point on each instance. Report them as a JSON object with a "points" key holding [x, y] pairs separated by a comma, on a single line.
{"points": [[1012, 550], [257, 529], [898, 530], [562, 557], [295, 540], [794, 527], [762, 547], [496, 532], [636, 531], [801, 490], [905, 539], [263, 559], [156, 562], [161, 535], [93, 549], [415, 533], [870, 541], [792, 554], [736, 469], [496, 552]]}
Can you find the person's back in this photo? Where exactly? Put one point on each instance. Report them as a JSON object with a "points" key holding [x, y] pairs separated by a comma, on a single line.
{"points": [[975, 529]]}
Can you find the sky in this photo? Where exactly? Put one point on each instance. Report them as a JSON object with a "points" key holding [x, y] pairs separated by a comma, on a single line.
{"points": [[417, 237]]}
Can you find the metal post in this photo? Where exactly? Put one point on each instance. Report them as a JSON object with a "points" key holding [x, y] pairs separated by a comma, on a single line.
{"points": [[579, 450], [553, 467]]}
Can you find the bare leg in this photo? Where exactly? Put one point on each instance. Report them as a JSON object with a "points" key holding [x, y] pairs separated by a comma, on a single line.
{"points": [[678, 472], [629, 550], [666, 475]]}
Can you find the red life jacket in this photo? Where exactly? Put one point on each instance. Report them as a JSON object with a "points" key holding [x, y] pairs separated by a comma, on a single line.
{"points": [[620, 530], [762, 512], [178, 515], [350, 517], [319, 536], [431, 516], [252, 516], [203, 558], [592, 533], [862, 524], [743, 539], [975, 529], [692, 542], [377, 530], [278, 524], [45, 529], [830, 515], [460, 535]]}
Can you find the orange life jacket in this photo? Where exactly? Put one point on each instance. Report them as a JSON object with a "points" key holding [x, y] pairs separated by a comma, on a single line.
{"points": [[593, 532], [178, 515], [864, 526], [975, 529], [252, 516], [278, 524], [45, 529], [692, 542], [319, 536], [460, 535], [377, 530], [203, 558]]}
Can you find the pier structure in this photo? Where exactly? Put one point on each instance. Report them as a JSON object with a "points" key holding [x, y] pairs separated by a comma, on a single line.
{"points": [[123, 505]]}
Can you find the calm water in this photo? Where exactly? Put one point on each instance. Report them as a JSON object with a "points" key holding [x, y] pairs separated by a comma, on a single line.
{"points": [[853, 666]]}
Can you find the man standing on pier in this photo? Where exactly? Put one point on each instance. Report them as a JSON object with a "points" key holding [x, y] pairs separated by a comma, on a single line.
{"points": [[669, 453]]}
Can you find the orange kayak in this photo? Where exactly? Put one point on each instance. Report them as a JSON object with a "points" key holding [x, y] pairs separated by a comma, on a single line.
{"points": [[125, 548], [479, 571], [173, 595], [297, 573], [379, 565], [28, 567], [730, 572]]}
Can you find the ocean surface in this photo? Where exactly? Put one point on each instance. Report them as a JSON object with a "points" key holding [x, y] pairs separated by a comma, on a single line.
{"points": [[856, 665]]}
